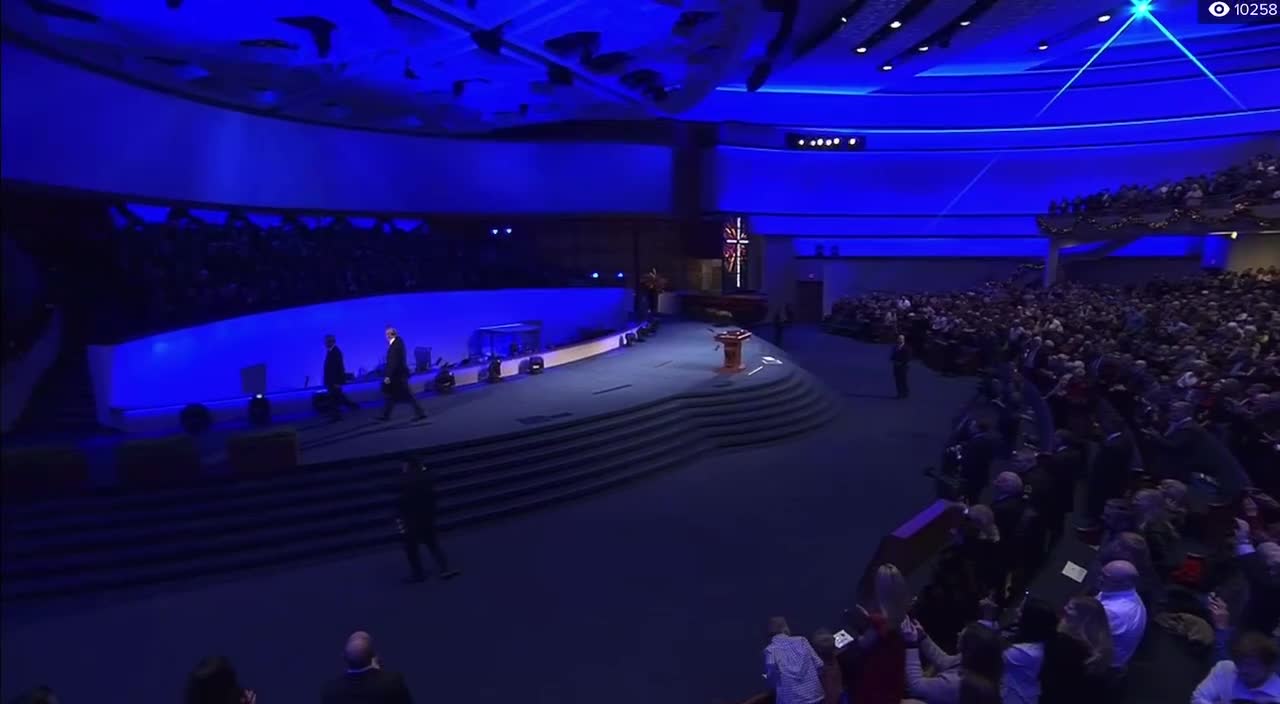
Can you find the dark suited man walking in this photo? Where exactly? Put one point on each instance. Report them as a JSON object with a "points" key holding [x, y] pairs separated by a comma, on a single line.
{"points": [[396, 378], [417, 521], [335, 375], [901, 359]]}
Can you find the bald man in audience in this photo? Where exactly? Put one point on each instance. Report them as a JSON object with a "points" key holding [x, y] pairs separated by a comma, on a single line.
{"points": [[365, 682], [1125, 611]]}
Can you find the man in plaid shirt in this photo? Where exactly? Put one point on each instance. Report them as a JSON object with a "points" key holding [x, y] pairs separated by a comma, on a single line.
{"points": [[791, 666]]}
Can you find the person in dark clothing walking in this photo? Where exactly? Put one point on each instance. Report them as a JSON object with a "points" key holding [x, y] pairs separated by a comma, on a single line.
{"points": [[901, 359], [416, 506], [335, 375], [396, 378]]}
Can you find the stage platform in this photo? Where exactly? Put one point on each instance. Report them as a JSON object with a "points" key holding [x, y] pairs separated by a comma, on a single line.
{"points": [[682, 359], [496, 449]]}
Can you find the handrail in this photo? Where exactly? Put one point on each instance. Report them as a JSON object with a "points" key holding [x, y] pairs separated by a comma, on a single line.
{"points": [[22, 373]]}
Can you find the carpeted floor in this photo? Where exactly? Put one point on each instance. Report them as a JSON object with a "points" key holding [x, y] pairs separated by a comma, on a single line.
{"points": [[654, 592]]}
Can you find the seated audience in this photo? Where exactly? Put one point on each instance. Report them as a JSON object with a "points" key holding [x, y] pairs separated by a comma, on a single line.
{"points": [[214, 682], [1260, 566], [980, 655], [1248, 675], [1153, 524], [1024, 653], [365, 681], [1132, 548], [824, 644], [1078, 659], [791, 667], [1255, 181], [1125, 611], [879, 675]]}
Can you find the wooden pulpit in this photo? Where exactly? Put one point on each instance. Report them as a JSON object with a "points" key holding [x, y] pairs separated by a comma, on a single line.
{"points": [[732, 341]]}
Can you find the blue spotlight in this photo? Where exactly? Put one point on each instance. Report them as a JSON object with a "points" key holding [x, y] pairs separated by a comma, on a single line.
{"points": [[619, 274], [963, 191], [508, 230], [1140, 10], [1088, 63], [595, 274]]}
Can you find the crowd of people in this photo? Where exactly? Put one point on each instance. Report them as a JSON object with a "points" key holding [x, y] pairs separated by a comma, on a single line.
{"points": [[1164, 418], [186, 271], [1257, 182]]}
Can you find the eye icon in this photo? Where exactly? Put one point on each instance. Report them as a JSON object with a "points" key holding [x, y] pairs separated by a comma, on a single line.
{"points": [[1219, 9]]}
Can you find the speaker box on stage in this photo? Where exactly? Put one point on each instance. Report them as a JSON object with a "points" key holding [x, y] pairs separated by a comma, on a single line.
{"points": [[44, 472], [162, 461], [263, 453]]}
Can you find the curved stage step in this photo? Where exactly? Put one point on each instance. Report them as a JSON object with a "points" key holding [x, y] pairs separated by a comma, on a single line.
{"points": [[100, 542]]}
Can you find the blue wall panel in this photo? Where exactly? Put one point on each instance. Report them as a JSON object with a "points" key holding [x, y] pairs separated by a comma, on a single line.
{"points": [[1262, 125], [909, 247], [203, 363], [778, 104], [68, 127], [895, 226], [778, 182]]}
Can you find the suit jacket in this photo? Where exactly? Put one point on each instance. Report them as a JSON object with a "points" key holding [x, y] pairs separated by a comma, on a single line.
{"points": [[900, 356], [335, 372], [368, 687], [397, 360], [417, 504]]}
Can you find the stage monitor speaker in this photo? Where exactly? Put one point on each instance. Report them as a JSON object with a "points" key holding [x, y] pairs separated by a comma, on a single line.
{"points": [[158, 462], [263, 452], [443, 383], [32, 474], [195, 418], [494, 372], [253, 379], [259, 411]]}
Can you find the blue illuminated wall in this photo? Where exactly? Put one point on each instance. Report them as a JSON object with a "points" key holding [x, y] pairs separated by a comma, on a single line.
{"points": [[834, 194], [203, 363], [68, 127], [976, 101]]}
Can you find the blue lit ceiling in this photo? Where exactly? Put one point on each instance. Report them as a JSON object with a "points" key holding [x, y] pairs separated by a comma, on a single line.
{"points": [[478, 65]]}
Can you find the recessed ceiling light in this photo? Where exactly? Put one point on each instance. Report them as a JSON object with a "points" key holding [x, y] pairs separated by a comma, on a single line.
{"points": [[861, 50], [1104, 18], [1043, 47], [923, 47], [965, 23], [844, 19], [886, 67], [837, 140], [895, 24]]}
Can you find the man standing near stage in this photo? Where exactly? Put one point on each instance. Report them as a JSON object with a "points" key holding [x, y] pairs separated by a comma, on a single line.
{"points": [[416, 506], [335, 375], [901, 359], [396, 378]]}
